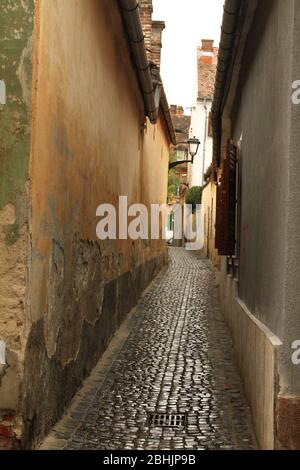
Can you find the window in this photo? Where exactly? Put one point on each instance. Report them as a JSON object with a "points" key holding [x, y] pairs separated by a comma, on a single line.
{"points": [[226, 204]]}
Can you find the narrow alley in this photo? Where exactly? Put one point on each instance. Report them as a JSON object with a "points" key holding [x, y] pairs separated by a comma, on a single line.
{"points": [[149, 227], [177, 359]]}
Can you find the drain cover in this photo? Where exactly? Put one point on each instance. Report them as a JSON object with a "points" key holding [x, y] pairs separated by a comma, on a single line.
{"points": [[164, 420]]}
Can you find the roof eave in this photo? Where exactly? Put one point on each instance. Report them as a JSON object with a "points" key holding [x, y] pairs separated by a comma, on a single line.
{"points": [[167, 115], [237, 20]]}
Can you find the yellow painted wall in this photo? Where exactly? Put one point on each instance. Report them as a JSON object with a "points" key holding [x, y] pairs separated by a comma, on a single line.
{"points": [[209, 196], [90, 144]]}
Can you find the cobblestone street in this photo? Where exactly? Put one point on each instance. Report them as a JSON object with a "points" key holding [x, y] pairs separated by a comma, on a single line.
{"points": [[177, 359]]}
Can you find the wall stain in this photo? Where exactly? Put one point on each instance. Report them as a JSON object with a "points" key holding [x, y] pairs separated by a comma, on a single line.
{"points": [[16, 29], [51, 382], [11, 234]]}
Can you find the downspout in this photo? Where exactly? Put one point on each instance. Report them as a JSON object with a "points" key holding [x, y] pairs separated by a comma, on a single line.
{"points": [[231, 15], [148, 76], [204, 140]]}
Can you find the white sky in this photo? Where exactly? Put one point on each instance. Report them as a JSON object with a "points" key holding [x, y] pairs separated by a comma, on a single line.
{"points": [[187, 22]]}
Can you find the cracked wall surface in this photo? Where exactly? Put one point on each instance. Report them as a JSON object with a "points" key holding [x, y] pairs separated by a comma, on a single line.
{"points": [[89, 146], [16, 35]]}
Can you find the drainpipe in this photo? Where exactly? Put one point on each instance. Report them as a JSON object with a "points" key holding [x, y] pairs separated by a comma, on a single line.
{"points": [[204, 140], [231, 15], [148, 75]]}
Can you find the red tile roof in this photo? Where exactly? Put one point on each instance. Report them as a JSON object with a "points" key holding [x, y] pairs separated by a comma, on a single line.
{"points": [[181, 124]]}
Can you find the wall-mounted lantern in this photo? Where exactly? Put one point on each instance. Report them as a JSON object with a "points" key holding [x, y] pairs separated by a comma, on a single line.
{"points": [[193, 144], [193, 147]]}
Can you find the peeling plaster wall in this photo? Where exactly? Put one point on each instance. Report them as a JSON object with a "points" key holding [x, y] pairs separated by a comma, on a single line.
{"points": [[16, 28], [16, 32], [88, 147]]}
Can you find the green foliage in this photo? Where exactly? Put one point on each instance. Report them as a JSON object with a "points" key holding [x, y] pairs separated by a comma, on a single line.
{"points": [[173, 183], [194, 196], [173, 156]]}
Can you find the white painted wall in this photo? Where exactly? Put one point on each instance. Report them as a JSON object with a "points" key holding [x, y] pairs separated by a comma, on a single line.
{"points": [[199, 129]]}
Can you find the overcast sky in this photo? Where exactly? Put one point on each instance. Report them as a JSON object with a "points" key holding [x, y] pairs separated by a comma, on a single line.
{"points": [[187, 22]]}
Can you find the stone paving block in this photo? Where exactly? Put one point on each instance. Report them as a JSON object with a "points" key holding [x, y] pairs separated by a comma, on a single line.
{"points": [[178, 359]]}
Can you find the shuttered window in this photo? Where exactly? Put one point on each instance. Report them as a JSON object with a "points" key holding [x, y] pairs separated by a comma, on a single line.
{"points": [[226, 204]]}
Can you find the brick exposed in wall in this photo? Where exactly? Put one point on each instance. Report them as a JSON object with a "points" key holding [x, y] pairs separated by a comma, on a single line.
{"points": [[288, 422], [176, 110], [146, 10], [156, 44], [208, 45], [8, 439], [152, 32]]}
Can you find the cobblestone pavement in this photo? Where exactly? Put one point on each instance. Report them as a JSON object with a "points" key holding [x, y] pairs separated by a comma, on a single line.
{"points": [[176, 359]]}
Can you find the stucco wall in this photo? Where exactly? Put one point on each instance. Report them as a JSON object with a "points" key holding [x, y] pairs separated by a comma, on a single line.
{"points": [[256, 352], [89, 146], [268, 125], [290, 373], [16, 30], [263, 120]]}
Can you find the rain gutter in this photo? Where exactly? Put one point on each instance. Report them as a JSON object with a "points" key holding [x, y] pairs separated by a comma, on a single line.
{"points": [[231, 15], [150, 91]]}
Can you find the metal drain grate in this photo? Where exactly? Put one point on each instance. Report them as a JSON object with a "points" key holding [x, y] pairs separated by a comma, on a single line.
{"points": [[164, 420]]}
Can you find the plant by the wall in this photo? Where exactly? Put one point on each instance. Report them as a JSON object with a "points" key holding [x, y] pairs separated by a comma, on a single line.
{"points": [[194, 196]]}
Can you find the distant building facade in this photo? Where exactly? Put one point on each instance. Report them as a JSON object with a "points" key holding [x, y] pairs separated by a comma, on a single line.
{"points": [[201, 112], [200, 173], [180, 152], [181, 124]]}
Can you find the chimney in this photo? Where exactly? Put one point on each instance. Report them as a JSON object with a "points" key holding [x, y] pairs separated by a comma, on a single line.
{"points": [[207, 45], [180, 111], [207, 53], [156, 41], [146, 10], [173, 109], [176, 110]]}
